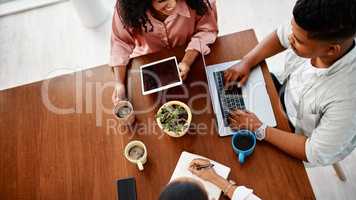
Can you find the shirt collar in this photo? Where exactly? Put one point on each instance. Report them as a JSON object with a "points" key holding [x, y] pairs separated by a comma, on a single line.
{"points": [[347, 60]]}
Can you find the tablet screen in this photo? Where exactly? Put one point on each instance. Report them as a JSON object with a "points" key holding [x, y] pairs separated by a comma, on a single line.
{"points": [[160, 74]]}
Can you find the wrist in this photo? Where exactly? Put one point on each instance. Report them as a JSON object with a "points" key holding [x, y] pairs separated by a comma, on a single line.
{"points": [[220, 182], [190, 56], [248, 62], [261, 132], [267, 137], [186, 64]]}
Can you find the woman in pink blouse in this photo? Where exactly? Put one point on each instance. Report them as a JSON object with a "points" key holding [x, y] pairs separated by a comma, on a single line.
{"points": [[146, 26]]}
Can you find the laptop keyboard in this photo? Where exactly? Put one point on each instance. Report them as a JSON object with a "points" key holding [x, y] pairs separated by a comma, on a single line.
{"points": [[230, 99]]}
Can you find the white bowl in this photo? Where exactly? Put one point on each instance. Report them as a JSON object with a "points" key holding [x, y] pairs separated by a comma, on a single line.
{"points": [[189, 120]]}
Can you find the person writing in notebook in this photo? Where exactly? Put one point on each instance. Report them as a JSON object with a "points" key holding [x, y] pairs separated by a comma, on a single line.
{"points": [[319, 84], [191, 189], [145, 26]]}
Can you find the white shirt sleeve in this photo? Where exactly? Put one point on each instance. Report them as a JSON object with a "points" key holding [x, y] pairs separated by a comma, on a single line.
{"points": [[244, 193], [283, 33], [335, 136]]}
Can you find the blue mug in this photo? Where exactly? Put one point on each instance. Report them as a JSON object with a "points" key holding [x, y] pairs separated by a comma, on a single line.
{"points": [[243, 143]]}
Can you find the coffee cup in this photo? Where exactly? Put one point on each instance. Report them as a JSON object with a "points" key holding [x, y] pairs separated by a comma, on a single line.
{"points": [[136, 152], [243, 144], [124, 113]]}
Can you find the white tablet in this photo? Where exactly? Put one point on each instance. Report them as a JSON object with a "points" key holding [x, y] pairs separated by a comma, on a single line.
{"points": [[160, 75]]}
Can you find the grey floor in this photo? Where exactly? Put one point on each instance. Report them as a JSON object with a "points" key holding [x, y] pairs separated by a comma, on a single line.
{"points": [[51, 41]]}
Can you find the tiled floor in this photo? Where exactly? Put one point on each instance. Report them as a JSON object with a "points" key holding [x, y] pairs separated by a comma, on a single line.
{"points": [[50, 41]]}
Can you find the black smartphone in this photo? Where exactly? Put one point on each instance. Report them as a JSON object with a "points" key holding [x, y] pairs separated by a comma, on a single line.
{"points": [[126, 189]]}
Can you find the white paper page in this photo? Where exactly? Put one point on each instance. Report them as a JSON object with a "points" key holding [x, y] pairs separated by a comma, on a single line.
{"points": [[181, 170]]}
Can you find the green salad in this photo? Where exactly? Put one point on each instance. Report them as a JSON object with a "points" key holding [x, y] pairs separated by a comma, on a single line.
{"points": [[173, 118]]}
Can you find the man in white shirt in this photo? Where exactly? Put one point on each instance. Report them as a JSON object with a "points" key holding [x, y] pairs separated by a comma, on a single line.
{"points": [[319, 82]]}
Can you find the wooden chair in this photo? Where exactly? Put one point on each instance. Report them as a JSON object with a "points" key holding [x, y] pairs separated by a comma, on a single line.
{"points": [[339, 172]]}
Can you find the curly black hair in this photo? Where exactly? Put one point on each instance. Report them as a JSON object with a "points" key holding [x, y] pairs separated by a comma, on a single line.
{"points": [[329, 20], [133, 12]]}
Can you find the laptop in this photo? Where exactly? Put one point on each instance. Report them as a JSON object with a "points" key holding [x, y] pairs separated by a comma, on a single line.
{"points": [[252, 96]]}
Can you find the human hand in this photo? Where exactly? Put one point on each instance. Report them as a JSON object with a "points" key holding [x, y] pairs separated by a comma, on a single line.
{"points": [[244, 120], [207, 174], [184, 69], [119, 93], [238, 72]]}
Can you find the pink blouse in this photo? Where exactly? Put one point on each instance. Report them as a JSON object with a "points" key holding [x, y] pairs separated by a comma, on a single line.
{"points": [[183, 26]]}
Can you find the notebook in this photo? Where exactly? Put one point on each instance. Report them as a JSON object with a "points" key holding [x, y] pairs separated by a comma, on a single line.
{"points": [[181, 170]]}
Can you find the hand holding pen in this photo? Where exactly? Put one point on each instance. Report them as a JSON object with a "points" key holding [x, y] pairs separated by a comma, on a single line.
{"points": [[203, 168]]}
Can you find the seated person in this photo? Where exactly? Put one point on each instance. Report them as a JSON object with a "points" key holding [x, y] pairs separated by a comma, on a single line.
{"points": [[142, 27], [190, 189], [319, 84]]}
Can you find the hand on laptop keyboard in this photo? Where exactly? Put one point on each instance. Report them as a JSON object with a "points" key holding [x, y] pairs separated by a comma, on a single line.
{"points": [[243, 119], [238, 72], [230, 98]]}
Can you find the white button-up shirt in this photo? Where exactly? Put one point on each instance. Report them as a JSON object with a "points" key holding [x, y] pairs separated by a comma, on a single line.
{"points": [[325, 104]]}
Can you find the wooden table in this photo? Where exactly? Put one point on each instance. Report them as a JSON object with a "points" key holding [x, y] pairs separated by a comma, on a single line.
{"points": [[59, 139]]}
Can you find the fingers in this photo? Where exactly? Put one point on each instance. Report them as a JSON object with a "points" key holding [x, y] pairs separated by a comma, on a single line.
{"points": [[194, 164], [227, 77], [239, 119], [183, 71], [243, 81], [237, 113], [183, 75], [231, 77], [199, 162]]}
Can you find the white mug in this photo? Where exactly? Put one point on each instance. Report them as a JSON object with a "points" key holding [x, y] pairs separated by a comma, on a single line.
{"points": [[140, 161]]}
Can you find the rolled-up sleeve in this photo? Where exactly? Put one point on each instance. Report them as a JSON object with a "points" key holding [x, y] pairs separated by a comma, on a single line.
{"points": [[283, 33], [122, 43], [244, 193], [206, 31], [335, 136]]}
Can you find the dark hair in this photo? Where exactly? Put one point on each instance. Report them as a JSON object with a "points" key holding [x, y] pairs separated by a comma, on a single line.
{"points": [[133, 12], [180, 190], [329, 20]]}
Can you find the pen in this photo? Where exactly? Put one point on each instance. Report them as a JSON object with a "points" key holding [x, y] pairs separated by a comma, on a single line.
{"points": [[205, 166]]}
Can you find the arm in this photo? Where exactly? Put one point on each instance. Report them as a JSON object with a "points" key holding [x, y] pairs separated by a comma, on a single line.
{"points": [[187, 61], [205, 34], [331, 140], [270, 46], [223, 184], [119, 73], [208, 174], [206, 31], [122, 45], [292, 144]]}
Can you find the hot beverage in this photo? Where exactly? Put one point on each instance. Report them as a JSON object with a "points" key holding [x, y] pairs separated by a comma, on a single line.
{"points": [[123, 111], [136, 152], [243, 142]]}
